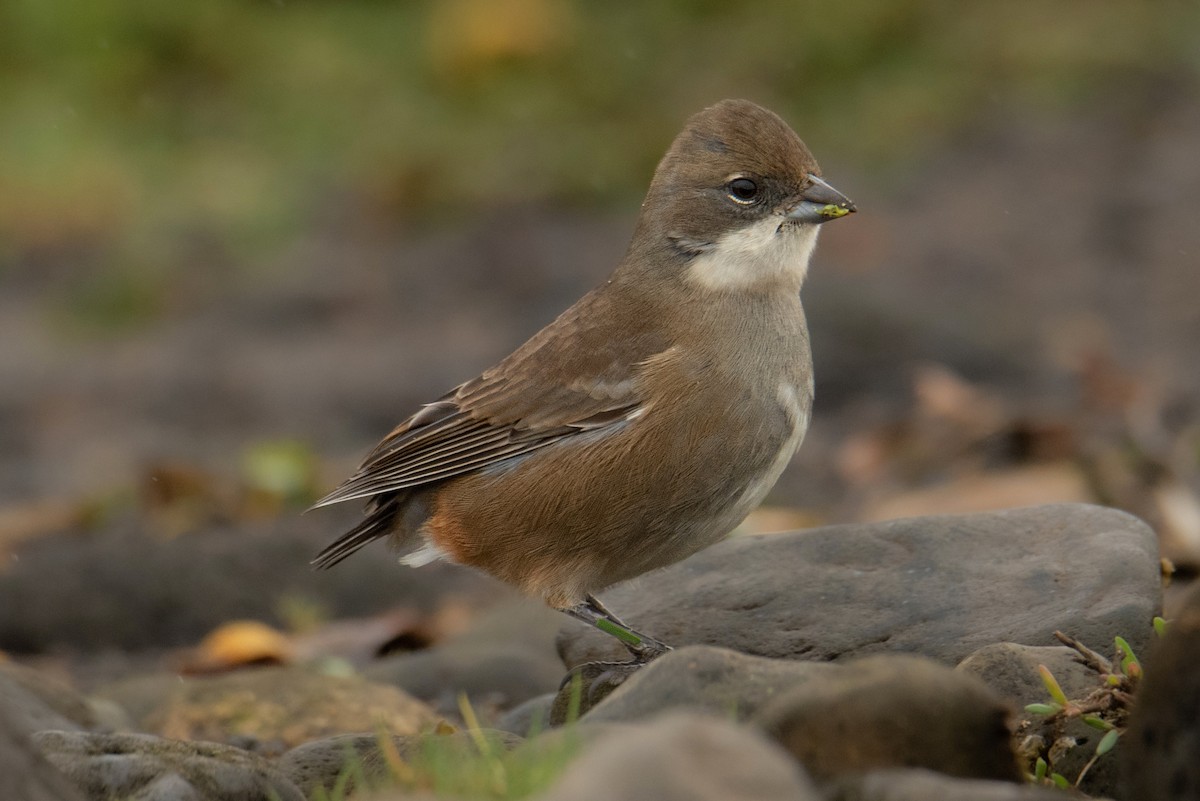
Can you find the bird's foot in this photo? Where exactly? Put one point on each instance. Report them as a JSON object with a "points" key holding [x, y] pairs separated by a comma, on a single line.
{"points": [[587, 674], [646, 649], [594, 613], [587, 684]]}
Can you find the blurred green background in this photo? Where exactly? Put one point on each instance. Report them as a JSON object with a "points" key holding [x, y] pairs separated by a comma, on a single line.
{"points": [[144, 140], [237, 229]]}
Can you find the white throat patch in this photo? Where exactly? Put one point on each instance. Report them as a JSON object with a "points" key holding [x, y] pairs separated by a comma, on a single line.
{"points": [[756, 255]]}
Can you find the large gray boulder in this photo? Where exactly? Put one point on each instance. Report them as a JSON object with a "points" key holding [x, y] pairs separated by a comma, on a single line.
{"points": [[938, 586]]}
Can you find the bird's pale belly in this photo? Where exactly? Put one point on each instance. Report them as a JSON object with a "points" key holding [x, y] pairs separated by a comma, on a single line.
{"points": [[777, 445]]}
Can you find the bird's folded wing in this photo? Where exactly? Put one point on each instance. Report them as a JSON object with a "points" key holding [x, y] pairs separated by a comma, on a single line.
{"points": [[575, 377]]}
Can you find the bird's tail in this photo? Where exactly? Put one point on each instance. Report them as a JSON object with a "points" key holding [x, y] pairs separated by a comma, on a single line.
{"points": [[378, 523]]}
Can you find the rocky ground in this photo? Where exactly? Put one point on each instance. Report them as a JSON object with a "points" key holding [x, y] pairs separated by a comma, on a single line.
{"points": [[869, 661]]}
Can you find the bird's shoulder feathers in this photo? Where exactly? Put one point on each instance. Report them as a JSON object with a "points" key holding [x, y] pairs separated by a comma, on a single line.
{"points": [[579, 374]]}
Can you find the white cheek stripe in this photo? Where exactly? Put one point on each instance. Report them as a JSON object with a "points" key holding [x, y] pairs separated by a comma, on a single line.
{"points": [[757, 254]]}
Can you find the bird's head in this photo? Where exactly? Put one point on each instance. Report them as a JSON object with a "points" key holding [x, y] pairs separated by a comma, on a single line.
{"points": [[738, 200]]}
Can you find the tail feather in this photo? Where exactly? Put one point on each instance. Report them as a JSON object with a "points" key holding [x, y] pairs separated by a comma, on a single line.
{"points": [[377, 524]]}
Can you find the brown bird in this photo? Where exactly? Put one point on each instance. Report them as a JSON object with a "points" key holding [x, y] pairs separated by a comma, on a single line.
{"points": [[645, 422]]}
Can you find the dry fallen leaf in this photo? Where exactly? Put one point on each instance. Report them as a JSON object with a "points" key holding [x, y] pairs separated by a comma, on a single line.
{"points": [[239, 643]]}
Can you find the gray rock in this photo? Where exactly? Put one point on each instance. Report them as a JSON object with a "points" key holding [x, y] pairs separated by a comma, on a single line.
{"points": [[1012, 671], [683, 757], [280, 708], [168, 787], [24, 773], [700, 678], [574, 739], [495, 678], [25, 710], [141, 695], [531, 716], [319, 764], [505, 658], [148, 768], [891, 711], [108, 715], [1160, 750], [111, 586], [519, 621], [937, 586], [66, 708], [916, 784]]}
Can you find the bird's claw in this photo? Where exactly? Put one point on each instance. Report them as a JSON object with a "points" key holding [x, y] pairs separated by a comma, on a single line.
{"points": [[598, 679]]}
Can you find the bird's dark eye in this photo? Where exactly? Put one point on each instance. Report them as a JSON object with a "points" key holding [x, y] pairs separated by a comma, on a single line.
{"points": [[742, 190]]}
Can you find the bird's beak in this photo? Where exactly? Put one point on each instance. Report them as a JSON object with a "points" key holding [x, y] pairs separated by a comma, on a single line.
{"points": [[820, 203]]}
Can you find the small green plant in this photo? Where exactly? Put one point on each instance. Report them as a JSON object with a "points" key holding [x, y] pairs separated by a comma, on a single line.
{"points": [[352, 775], [477, 765], [1041, 775], [1105, 708]]}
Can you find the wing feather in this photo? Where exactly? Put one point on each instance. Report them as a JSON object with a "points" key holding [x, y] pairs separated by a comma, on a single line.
{"points": [[519, 406]]}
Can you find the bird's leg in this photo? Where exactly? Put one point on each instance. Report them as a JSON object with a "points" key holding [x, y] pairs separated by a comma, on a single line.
{"points": [[592, 612]]}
